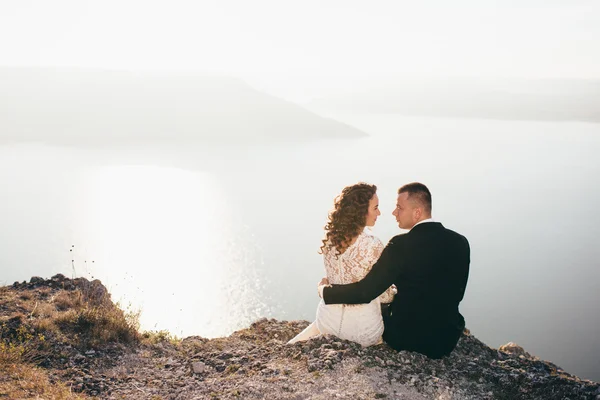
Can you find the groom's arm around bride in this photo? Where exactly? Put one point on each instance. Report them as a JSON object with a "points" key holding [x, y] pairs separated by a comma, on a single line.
{"points": [[430, 266]]}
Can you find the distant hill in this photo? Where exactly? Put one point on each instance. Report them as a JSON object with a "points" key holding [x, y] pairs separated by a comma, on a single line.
{"points": [[78, 106], [509, 99]]}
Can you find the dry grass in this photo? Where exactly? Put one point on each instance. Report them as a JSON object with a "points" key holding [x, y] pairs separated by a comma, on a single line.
{"points": [[65, 315], [36, 323], [23, 381], [68, 300], [154, 337], [43, 293], [95, 326], [46, 325], [25, 296], [43, 311], [20, 343]]}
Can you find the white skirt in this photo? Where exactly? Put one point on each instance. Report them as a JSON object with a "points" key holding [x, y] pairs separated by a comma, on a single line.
{"points": [[361, 323]]}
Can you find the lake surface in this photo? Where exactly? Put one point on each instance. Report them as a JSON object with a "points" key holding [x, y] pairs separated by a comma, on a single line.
{"points": [[206, 239]]}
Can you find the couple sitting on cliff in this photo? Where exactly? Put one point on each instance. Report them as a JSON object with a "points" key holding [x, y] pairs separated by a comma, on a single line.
{"points": [[407, 293]]}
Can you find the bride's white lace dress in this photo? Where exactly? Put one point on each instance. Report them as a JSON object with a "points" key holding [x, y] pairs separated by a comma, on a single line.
{"points": [[361, 323]]}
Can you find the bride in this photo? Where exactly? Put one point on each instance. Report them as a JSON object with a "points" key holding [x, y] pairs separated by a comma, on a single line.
{"points": [[349, 251]]}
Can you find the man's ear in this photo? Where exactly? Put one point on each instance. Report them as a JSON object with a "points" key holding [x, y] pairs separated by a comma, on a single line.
{"points": [[417, 212]]}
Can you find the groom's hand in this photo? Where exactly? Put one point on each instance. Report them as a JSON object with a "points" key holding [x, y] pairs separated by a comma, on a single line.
{"points": [[324, 282]]}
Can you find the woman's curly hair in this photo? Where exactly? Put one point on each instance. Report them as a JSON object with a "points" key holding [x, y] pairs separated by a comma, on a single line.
{"points": [[348, 217]]}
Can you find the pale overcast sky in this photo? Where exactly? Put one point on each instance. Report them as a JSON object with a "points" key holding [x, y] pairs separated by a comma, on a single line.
{"points": [[274, 42]]}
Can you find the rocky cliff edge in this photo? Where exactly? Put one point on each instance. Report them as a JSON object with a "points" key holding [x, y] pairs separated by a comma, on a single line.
{"points": [[64, 338]]}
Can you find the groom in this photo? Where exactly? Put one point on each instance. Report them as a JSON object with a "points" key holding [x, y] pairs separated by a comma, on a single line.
{"points": [[430, 266]]}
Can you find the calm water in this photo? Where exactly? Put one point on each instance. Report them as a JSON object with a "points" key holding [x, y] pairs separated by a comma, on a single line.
{"points": [[206, 239]]}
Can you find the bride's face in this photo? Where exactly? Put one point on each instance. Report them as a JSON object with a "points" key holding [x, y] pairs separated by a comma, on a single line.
{"points": [[373, 212]]}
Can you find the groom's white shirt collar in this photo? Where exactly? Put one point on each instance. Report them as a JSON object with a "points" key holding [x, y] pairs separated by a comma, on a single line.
{"points": [[422, 222]]}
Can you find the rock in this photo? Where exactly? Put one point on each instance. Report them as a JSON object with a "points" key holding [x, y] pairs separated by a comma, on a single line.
{"points": [[78, 358], [198, 367], [36, 280], [514, 349], [94, 292], [59, 278]]}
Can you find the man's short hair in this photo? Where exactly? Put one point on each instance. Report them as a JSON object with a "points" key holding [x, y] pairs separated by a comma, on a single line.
{"points": [[419, 193]]}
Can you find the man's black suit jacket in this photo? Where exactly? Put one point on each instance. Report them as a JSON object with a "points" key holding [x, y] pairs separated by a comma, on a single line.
{"points": [[430, 266]]}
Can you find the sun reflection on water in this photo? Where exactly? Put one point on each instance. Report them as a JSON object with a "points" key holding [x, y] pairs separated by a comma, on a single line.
{"points": [[166, 242]]}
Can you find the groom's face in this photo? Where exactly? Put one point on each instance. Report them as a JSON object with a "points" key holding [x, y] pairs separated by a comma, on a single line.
{"points": [[404, 212]]}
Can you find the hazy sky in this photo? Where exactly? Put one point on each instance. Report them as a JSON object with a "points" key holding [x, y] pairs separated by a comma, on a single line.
{"points": [[310, 42]]}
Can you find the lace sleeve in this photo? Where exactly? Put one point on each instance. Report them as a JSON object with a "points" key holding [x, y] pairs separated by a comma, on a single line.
{"points": [[355, 263], [377, 249]]}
